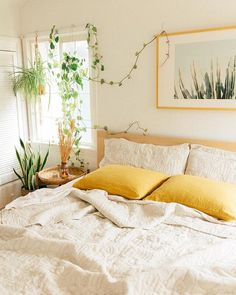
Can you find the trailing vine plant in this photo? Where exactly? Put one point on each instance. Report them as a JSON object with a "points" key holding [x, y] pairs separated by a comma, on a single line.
{"points": [[97, 65], [131, 125], [70, 73]]}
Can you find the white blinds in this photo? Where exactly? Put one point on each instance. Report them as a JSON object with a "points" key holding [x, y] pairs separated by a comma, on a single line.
{"points": [[9, 126]]}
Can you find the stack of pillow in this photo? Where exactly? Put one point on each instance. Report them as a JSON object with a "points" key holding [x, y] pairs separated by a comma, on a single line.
{"points": [[200, 177]]}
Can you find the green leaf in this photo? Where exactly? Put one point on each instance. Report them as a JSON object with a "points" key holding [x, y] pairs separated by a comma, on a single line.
{"points": [[30, 176], [78, 80], [18, 175], [38, 163], [74, 66], [52, 46], [56, 39], [63, 66], [75, 94], [33, 182], [76, 141], [45, 160], [22, 144], [19, 159]]}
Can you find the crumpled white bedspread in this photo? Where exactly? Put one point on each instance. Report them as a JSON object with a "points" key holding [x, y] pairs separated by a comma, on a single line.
{"points": [[67, 241]]}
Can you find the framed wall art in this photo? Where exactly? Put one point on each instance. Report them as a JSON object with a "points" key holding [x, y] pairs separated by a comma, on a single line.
{"points": [[200, 72]]}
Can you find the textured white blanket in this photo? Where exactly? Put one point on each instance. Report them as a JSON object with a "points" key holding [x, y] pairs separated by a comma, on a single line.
{"points": [[66, 241]]}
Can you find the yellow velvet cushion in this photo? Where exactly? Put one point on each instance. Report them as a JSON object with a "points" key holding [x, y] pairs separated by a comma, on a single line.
{"points": [[126, 181], [214, 198]]}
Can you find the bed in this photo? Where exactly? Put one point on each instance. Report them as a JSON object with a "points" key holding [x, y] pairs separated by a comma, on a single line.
{"points": [[68, 241]]}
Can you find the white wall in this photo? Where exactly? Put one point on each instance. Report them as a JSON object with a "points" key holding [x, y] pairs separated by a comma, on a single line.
{"points": [[123, 26], [10, 17]]}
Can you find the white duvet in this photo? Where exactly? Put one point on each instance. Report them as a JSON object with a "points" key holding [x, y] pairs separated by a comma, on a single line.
{"points": [[67, 241]]}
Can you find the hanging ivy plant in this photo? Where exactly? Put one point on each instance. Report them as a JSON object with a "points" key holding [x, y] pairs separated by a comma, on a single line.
{"points": [[69, 73], [98, 66], [92, 39]]}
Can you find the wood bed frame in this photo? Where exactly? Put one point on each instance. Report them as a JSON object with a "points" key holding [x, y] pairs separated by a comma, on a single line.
{"points": [[158, 140]]}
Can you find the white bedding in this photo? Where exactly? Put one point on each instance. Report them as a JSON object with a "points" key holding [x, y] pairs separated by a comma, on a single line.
{"points": [[170, 160], [66, 241]]}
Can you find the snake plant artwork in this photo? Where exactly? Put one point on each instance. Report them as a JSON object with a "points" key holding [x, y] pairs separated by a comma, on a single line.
{"points": [[215, 84], [30, 163]]}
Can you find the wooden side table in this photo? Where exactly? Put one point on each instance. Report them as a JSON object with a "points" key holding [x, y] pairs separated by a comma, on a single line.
{"points": [[51, 176]]}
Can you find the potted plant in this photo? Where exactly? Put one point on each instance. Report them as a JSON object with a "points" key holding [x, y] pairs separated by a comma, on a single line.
{"points": [[30, 163], [31, 82], [68, 73]]}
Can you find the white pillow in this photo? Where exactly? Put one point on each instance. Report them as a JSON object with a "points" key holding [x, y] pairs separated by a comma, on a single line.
{"points": [[212, 163], [166, 159]]}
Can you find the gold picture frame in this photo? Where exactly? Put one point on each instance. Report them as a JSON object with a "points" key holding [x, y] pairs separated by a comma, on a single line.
{"points": [[207, 49]]}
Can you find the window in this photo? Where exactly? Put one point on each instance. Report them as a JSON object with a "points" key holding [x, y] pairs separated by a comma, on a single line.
{"points": [[9, 118], [46, 110]]}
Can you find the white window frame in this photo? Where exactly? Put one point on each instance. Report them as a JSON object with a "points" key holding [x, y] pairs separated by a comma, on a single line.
{"points": [[12, 46], [66, 34]]}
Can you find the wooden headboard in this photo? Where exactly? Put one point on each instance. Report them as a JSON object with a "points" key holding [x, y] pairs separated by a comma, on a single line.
{"points": [[158, 140]]}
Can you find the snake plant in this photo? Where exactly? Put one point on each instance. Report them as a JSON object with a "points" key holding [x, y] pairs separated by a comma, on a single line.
{"points": [[211, 84], [30, 163]]}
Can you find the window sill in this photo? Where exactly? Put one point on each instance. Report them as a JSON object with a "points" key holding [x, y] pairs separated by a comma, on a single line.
{"points": [[91, 147]]}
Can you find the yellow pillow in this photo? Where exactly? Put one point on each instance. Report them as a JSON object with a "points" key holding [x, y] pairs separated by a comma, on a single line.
{"points": [[214, 198], [126, 181]]}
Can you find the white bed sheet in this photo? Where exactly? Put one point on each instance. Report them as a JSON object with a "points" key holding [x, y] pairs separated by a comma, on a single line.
{"points": [[67, 241]]}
